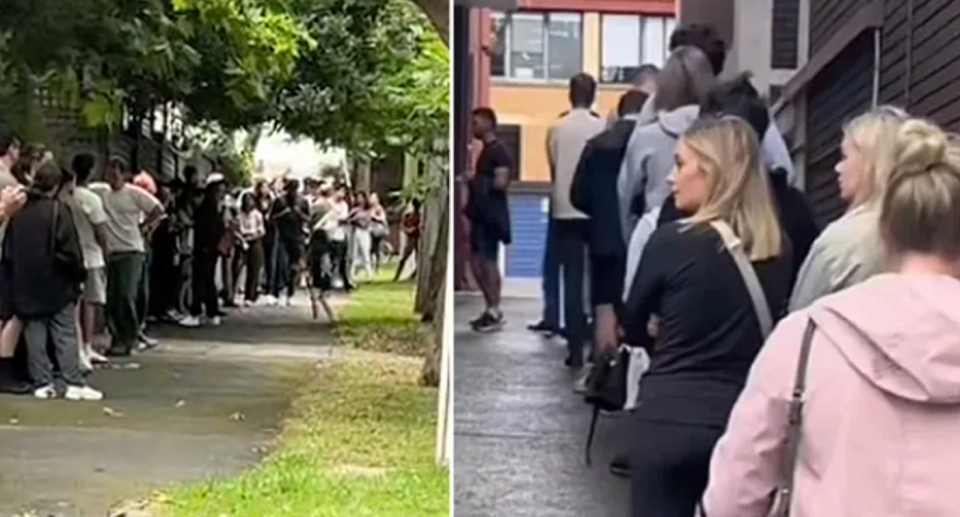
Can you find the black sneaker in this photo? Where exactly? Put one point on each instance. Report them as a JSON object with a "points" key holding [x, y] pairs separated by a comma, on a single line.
{"points": [[543, 327], [489, 323], [620, 467], [479, 319]]}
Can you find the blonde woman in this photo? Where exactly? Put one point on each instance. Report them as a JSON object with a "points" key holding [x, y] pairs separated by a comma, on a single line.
{"points": [[709, 331], [880, 425], [849, 251]]}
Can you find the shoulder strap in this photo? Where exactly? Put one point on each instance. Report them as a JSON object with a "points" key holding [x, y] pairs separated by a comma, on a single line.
{"points": [[735, 247], [788, 465]]}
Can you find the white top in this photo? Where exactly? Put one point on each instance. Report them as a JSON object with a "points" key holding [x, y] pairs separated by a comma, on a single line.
{"points": [[251, 225], [88, 214], [333, 221], [126, 209], [638, 242], [565, 143]]}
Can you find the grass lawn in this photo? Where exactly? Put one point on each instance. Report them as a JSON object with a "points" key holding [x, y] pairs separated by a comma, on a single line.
{"points": [[359, 441], [379, 317]]}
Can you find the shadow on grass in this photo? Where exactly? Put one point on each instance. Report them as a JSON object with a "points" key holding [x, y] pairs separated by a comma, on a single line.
{"points": [[379, 317]]}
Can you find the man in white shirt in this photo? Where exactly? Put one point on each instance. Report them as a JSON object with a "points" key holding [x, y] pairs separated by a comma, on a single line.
{"points": [[90, 219], [565, 143], [132, 212]]}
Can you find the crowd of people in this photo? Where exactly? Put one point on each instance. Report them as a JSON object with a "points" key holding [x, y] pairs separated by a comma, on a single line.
{"points": [[74, 249], [789, 367]]}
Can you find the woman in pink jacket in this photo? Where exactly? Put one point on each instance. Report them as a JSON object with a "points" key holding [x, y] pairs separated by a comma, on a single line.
{"points": [[880, 428]]}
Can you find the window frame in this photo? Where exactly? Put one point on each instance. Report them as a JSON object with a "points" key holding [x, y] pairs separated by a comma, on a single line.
{"points": [[667, 32], [507, 17]]}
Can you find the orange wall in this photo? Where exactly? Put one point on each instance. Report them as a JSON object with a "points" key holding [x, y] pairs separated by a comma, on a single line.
{"points": [[534, 108]]}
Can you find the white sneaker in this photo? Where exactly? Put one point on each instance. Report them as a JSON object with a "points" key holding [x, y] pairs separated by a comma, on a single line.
{"points": [[247, 303], [86, 364], [97, 357], [269, 300], [287, 301], [82, 393], [191, 322], [45, 392], [216, 321]]}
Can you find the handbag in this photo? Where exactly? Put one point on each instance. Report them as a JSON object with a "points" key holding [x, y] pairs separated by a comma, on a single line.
{"points": [[606, 389]]}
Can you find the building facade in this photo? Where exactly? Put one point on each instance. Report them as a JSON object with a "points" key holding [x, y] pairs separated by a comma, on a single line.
{"points": [[522, 61]]}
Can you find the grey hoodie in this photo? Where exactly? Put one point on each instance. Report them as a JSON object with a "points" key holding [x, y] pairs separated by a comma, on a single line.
{"points": [[648, 162], [776, 155]]}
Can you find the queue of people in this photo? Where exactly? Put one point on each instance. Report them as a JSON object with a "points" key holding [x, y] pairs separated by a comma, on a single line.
{"points": [[73, 249], [762, 331]]}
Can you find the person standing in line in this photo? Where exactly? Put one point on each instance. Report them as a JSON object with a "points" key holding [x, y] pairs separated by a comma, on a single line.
{"points": [[292, 214], [411, 229], [209, 229], [252, 230], [566, 141], [45, 267], [132, 213], [489, 213], [594, 192], [12, 198], [850, 249], [145, 181], [91, 220], [361, 218], [712, 323], [334, 224], [379, 229]]}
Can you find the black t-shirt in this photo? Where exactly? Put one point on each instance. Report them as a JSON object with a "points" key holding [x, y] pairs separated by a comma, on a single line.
{"points": [[487, 205], [291, 214], [709, 334]]}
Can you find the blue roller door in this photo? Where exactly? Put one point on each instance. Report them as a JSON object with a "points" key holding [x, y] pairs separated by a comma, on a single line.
{"points": [[529, 213]]}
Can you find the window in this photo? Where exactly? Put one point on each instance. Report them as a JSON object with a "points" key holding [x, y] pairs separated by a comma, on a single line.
{"points": [[630, 42], [537, 46], [785, 34]]}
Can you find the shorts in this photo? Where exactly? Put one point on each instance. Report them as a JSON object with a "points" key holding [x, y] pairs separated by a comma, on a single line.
{"points": [[484, 242], [95, 288]]}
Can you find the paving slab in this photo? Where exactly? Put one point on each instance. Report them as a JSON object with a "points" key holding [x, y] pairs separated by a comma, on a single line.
{"points": [[206, 403], [519, 431]]}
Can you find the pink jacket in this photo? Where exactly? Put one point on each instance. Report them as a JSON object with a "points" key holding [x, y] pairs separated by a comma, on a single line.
{"points": [[881, 428]]}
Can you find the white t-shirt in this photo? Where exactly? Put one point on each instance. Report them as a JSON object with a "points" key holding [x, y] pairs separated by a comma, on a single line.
{"points": [[89, 213], [126, 209]]}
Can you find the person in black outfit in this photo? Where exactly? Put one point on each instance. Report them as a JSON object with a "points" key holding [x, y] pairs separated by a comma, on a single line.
{"points": [[594, 192], [292, 214], [208, 231], [709, 332], [489, 214], [739, 98]]}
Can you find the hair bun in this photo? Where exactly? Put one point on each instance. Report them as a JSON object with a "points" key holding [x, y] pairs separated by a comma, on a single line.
{"points": [[920, 146]]}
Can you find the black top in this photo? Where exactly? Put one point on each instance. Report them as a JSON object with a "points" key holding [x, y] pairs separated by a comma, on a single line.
{"points": [[291, 213], [709, 332], [42, 261], [209, 226], [488, 206], [594, 192]]}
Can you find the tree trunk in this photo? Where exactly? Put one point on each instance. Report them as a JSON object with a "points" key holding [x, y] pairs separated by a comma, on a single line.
{"points": [[431, 363], [439, 13]]}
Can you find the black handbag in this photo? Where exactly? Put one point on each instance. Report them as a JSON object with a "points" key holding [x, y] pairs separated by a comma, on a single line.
{"points": [[606, 389]]}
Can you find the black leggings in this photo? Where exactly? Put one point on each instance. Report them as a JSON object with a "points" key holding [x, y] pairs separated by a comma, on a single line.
{"points": [[669, 468], [205, 284]]}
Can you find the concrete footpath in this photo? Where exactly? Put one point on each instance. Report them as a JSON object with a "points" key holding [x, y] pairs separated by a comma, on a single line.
{"points": [[206, 403], [520, 432]]}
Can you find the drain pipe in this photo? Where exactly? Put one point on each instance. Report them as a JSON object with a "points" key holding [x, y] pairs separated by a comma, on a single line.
{"points": [[877, 42]]}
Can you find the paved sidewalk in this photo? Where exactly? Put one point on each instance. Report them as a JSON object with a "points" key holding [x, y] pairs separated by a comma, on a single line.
{"points": [[519, 429], [205, 404]]}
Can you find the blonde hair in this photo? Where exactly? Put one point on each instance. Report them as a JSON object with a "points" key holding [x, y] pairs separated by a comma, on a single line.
{"points": [[738, 189], [920, 210], [874, 135]]}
